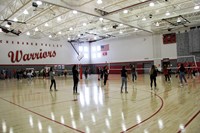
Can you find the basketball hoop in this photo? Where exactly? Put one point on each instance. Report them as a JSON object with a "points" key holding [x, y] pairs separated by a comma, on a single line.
{"points": [[80, 56]]}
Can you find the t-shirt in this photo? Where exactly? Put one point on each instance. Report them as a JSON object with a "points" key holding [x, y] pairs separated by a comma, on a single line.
{"points": [[51, 75], [133, 70], [75, 74], [182, 69], [123, 73]]}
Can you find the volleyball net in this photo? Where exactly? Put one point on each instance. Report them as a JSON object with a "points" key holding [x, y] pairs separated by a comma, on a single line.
{"points": [[144, 66]]}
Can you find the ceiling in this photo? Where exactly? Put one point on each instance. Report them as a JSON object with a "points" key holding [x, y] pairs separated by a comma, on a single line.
{"points": [[86, 20]]}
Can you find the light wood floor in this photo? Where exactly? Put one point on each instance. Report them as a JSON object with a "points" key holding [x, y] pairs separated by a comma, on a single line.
{"points": [[29, 106]]}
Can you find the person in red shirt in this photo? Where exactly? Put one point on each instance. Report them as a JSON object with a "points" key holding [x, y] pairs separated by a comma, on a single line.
{"points": [[166, 73]]}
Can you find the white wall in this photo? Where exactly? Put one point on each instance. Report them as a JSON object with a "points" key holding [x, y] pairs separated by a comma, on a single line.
{"points": [[136, 48], [126, 49], [65, 54], [131, 48]]}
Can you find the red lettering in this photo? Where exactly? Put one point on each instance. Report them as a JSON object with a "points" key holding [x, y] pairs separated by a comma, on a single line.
{"points": [[26, 57], [49, 53], [18, 55], [41, 53], [32, 56], [45, 55], [11, 55], [54, 53]]}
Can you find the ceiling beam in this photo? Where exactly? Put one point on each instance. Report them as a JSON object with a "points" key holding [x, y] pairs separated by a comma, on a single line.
{"points": [[89, 9]]}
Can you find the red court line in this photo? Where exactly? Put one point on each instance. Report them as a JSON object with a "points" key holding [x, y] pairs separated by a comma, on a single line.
{"points": [[162, 103], [189, 121], [42, 116]]}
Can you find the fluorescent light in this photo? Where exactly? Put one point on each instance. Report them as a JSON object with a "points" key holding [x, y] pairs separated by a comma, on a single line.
{"points": [[50, 36], [46, 24], [69, 38], [39, 2], [178, 19], [28, 33], [104, 28], [15, 19], [84, 24], [157, 24], [59, 18], [25, 11], [95, 38], [144, 19], [101, 19], [59, 32], [136, 29], [196, 7], [151, 4], [74, 12], [36, 29], [120, 24], [167, 13], [1, 30], [121, 32], [71, 28], [99, 2], [79, 35], [7, 25], [125, 11]]}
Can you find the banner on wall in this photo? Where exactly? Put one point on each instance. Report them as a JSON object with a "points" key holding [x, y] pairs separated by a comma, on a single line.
{"points": [[169, 38], [104, 53], [16, 52]]}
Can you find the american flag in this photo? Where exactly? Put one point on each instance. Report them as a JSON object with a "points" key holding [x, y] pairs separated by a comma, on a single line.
{"points": [[105, 47]]}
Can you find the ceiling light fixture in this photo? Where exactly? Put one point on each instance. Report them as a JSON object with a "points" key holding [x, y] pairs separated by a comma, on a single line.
{"points": [[69, 38], [136, 29], [121, 32], [178, 20], [144, 19], [7, 25], [95, 38], [36, 29], [157, 24], [125, 11], [196, 7], [167, 13], [28, 33], [25, 12], [15, 19], [74, 12], [79, 35], [104, 28], [120, 24], [1, 30], [99, 1], [151, 4], [101, 19], [84, 24], [70, 28], [50, 36], [46, 24], [39, 2], [59, 32], [59, 18]]}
